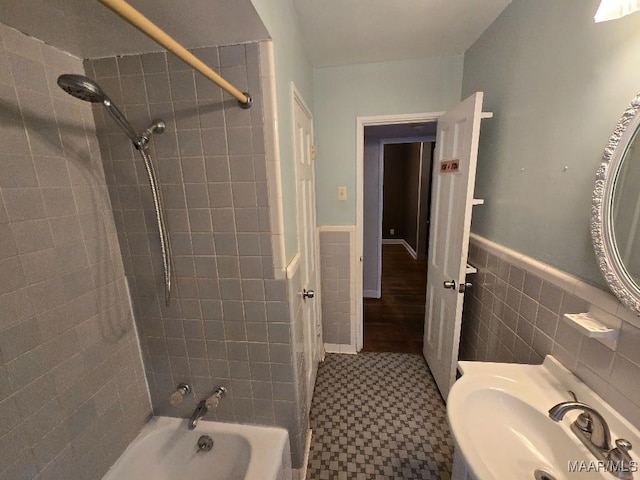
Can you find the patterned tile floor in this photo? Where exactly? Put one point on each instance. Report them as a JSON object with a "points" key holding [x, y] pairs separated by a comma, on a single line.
{"points": [[378, 416]]}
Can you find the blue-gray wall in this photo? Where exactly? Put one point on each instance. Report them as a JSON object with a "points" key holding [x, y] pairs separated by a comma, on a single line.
{"points": [[291, 66], [557, 83], [341, 94]]}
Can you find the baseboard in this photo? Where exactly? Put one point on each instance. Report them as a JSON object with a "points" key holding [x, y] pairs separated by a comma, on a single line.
{"points": [[337, 348], [371, 294], [411, 251], [403, 242]]}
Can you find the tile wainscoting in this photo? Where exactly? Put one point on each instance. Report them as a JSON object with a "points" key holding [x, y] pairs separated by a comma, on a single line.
{"points": [[338, 281], [515, 314]]}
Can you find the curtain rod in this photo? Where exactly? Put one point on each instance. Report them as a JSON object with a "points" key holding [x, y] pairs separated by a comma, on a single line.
{"points": [[146, 26]]}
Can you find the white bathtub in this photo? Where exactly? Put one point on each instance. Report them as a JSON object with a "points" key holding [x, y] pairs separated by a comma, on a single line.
{"points": [[166, 450]]}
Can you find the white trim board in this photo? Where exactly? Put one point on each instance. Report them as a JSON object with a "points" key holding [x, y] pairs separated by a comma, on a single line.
{"points": [[362, 122], [272, 155], [293, 266], [403, 242]]}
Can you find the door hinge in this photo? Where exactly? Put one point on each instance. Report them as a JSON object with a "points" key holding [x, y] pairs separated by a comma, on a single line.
{"points": [[313, 153]]}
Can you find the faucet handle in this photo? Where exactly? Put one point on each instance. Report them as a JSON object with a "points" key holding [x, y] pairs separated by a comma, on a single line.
{"points": [[621, 460], [584, 423], [212, 401], [176, 397], [622, 447]]}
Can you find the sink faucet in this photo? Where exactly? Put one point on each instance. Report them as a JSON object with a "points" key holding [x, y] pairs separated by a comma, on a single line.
{"points": [[592, 430], [600, 435]]}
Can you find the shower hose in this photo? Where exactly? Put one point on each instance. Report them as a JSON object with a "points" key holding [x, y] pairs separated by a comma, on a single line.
{"points": [[165, 243]]}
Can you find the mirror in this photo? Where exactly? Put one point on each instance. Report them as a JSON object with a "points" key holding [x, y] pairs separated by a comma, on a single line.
{"points": [[615, 222]]}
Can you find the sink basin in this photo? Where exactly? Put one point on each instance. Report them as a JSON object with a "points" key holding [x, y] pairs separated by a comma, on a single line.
{"points": [[499, 419], [528, 438]]}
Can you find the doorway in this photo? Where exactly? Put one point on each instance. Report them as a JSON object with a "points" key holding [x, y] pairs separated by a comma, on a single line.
{"points": [[458, 132], [400, 123], [396, 177]]}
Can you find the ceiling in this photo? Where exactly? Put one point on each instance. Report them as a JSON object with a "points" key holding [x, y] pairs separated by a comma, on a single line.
{"points": [[343, 32], [88, 29], [336, 32]]}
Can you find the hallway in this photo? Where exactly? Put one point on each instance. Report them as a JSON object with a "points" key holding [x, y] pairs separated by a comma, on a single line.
{"points": [[395, 322], [378, 416]]}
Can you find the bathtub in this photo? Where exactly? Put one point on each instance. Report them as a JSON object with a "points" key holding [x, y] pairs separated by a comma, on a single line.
{"points": [[166, 450]]}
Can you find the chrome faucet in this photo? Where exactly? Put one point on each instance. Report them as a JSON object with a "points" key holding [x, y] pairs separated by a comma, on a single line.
{"points": [[210, 403], [200, 411], [593, 431], [600, 435]]}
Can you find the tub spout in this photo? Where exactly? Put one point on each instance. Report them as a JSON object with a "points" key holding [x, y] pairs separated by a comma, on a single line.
{"points": [[200, 411], [204, 406]]}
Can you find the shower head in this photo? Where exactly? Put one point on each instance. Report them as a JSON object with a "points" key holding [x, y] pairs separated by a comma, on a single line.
{"points": [[86, 89], [82, 87]]}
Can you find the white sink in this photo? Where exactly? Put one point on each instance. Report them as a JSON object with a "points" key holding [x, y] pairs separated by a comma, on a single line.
{"points": [[499, 419]]}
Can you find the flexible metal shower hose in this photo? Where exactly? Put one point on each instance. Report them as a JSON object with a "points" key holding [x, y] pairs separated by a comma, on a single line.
{"points": [[165, 243]]}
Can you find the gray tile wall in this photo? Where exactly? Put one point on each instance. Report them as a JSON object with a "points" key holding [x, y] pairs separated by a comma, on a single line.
{"points": [[335, 261], [228, 322], [72, 387], [513, 315]]}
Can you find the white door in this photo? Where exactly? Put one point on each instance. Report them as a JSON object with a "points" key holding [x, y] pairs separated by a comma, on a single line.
{"points": [[307, 238], [454, 172]]}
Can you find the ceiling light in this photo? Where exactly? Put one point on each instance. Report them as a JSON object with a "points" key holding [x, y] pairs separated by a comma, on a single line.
{"points": [[614, 9]]}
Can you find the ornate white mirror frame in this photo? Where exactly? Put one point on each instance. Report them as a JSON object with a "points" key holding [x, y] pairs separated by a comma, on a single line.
{"points": [[602, 233]]}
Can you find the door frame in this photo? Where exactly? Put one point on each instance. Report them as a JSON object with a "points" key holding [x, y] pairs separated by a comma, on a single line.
{"points": [[362, 122]]}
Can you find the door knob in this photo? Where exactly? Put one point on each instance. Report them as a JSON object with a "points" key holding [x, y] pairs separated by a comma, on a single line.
{"points": [[464, 287], [451, 284], [308, 293]]}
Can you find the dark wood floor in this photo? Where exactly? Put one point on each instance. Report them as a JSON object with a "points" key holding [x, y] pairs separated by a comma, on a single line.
{"points": [[395, 322]]}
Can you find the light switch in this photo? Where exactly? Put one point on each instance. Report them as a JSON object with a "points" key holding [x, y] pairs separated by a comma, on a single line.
{"points": [[342, 193]]}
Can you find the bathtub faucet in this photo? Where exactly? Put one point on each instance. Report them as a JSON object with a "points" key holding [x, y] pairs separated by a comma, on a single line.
{"points": [[210, 403], [200, 411]]}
